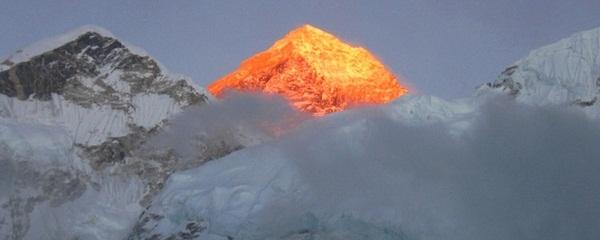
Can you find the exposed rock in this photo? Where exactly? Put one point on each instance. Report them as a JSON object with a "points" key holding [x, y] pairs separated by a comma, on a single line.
{"points": [[144, 230], [31, 188], [505, 82], [155, 166], [563, 73], [62, 71], [115, 150], [584, 103], [59, 186]]}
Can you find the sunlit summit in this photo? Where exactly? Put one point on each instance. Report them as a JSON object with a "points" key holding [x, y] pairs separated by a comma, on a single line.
{"points": [[316, 71]]}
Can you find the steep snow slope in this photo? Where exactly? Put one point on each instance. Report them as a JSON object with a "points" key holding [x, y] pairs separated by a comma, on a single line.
{"points": [[566, 72]]}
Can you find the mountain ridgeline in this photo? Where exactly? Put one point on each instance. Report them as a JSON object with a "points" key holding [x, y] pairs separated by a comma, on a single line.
{"points": [[77, 112]]}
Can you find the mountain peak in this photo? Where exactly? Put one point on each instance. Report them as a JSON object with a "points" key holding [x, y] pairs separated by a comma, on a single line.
{"points": [[316, 71], [565, 72], [49, 44], [308, 29], [97, 77]]}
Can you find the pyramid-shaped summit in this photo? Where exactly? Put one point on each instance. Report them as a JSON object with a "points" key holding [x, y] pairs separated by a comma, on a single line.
{"points": [[316, 71]]}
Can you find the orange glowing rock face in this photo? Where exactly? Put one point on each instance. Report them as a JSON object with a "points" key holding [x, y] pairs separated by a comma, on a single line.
{"points": [[316, 72]]}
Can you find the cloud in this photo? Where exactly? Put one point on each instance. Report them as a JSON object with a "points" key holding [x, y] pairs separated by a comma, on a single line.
{"points": [[518, 172], [240, 119]]}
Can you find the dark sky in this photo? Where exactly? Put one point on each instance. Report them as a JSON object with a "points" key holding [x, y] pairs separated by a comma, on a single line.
{"points": [[443, 48]]}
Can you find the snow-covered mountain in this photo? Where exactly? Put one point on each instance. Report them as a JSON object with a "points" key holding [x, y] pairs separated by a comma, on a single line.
{"points": [[93, 85], [76, 111], [564, 73], [73, 111]]}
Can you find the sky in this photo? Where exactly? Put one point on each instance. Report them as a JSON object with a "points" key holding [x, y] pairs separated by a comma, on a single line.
{"points": [[442, 48]]}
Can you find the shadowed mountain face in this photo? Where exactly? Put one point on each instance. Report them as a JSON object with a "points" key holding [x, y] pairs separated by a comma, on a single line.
{"points": [[91, 76], [49, 72], [90, 56]]}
